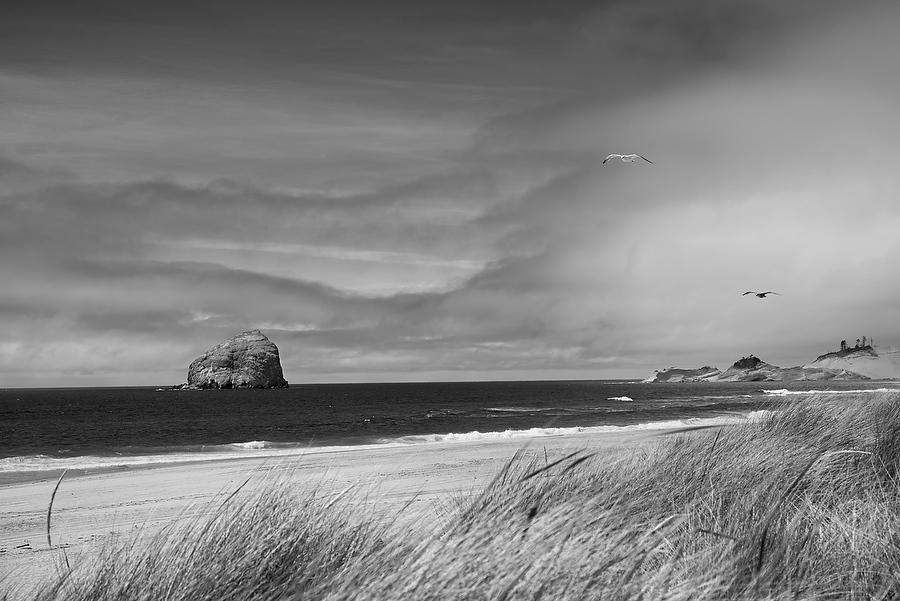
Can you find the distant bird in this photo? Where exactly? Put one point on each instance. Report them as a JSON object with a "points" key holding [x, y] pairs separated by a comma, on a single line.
{"points": [[760, 294], [627, 158]]}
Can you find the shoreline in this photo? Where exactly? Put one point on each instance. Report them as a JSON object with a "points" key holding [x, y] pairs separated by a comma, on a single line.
{"points": [[86, 465], [10, 478], [93, 507]]}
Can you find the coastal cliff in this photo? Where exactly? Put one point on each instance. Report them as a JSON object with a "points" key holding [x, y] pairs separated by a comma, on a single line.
{"points": [[247, 360], [865, 360]]}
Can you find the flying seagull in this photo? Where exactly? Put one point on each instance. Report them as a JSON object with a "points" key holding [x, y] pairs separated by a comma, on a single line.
{"points": [[760, 294], [626, 158]]}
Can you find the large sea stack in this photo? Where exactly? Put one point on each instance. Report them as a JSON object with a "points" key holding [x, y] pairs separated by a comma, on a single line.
{"points": [[248, 360]]}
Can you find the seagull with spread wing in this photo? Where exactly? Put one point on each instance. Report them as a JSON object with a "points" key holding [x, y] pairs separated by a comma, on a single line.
{"points": [[761, 294], [626, 158]]}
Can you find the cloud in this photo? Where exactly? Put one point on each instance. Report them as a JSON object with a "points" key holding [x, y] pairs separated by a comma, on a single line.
{"points": [[19, 176], [10, 168]]}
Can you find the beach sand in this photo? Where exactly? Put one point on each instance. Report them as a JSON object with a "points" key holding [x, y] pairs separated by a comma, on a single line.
{"points": [[91, 508]]}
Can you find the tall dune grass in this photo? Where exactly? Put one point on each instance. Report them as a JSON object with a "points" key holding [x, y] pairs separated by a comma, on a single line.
{"points": [[801, 504]]}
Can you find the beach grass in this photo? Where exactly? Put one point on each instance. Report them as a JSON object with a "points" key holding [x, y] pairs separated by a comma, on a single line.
{"points": [[803, 503]]}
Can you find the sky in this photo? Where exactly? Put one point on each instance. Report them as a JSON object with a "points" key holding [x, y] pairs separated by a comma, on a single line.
{"points": [[414, 190]]}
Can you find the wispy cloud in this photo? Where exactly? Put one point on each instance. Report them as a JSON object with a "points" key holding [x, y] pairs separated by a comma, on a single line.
{"points": [[330, 252]]}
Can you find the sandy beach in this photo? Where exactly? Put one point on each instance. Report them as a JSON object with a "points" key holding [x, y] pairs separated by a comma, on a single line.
{"points": [[91, 508]]}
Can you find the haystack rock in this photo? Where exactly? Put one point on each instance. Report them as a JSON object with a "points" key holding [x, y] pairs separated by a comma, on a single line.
{"points": [[248, 360]]}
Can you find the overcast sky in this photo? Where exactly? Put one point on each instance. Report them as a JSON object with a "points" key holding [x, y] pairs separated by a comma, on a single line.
{"points": [[414, 190]]}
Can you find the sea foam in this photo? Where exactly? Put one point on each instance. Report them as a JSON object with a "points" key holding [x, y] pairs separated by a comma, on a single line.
{"points": [[476, 436], [786, 392], [258, 449]]}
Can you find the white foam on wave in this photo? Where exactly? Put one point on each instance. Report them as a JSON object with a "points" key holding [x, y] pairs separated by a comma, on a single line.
{"points": [[518, 409], [250, 450], [253, 444], [786, 392], [620, 398], [476, 436], [757, 416]]}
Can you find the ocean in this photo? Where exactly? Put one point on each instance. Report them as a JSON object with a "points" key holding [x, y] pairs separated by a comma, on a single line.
{"points": [[83, 428]]}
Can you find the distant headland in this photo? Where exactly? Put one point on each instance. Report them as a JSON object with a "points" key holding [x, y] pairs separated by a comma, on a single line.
{"points": [[858, 362]]}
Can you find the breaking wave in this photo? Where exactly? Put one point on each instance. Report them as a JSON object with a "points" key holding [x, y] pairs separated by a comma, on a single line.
{"points": [[521, 409], [476, 436], [786, 392], [248, 450]]}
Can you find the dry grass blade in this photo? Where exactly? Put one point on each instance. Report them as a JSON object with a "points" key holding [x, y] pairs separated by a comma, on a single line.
{"points": [[341, 495], [581, 459], [689, 429], [709, 456], [848, 452], [713, 447], [50, 506], [548, 466], [719, 534], [234, 492]]}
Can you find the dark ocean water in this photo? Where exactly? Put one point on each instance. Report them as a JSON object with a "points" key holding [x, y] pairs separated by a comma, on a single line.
{"points": [[90, 427]]}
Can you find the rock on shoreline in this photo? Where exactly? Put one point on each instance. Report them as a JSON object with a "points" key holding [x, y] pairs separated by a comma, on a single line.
{"points": [[247, 360]]}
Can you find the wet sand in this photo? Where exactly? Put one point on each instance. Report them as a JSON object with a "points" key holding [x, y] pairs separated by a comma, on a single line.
{"points": [[91, 508]]}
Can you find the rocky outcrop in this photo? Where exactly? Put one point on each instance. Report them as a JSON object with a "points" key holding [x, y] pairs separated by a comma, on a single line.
{"points": [[751, 369], [674, 374], [247, 360]]}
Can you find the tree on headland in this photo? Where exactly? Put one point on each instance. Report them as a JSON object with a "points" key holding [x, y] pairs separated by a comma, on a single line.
{"points": [[864, 341], [843, 345], [857, 343]]}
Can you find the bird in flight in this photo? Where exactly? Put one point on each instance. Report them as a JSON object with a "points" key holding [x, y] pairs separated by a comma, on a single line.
{"points": [[626, 158], [760, 294]]}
